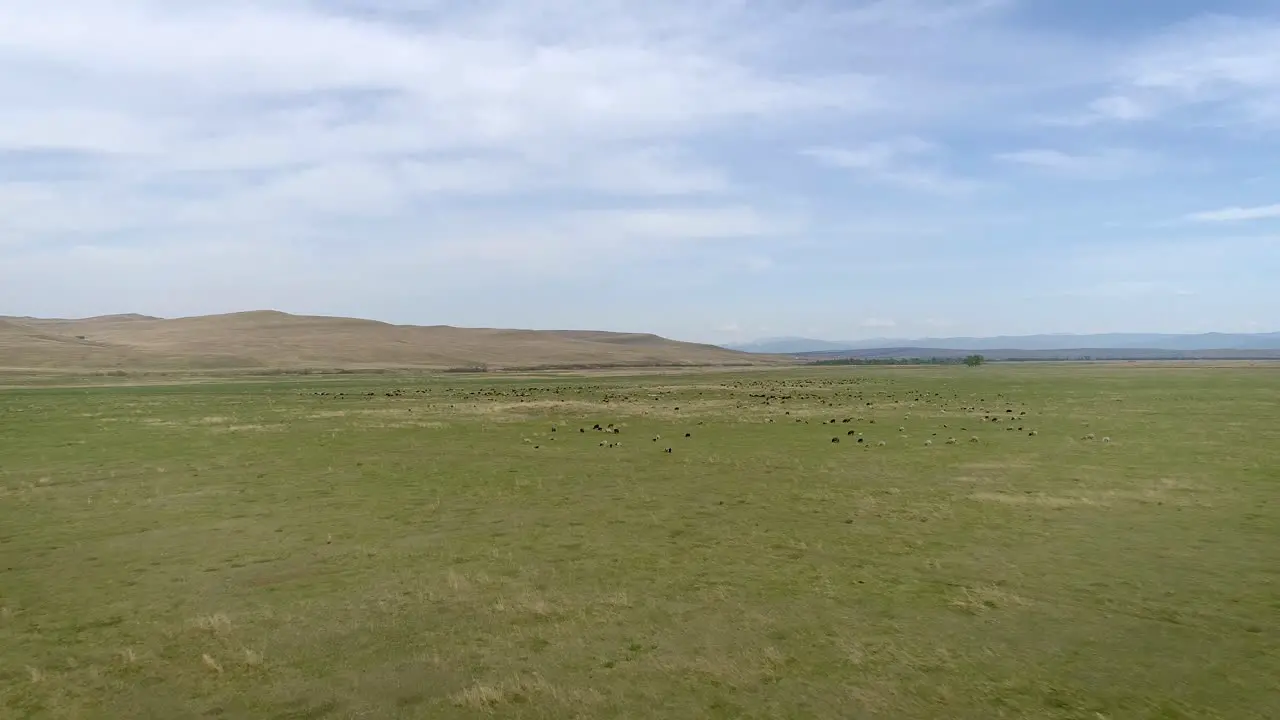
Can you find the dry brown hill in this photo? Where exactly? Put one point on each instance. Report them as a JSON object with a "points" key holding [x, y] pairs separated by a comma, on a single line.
{"points": [[269, 339]]}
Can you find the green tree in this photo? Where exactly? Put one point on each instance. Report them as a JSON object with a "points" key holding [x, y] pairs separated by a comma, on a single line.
{"points": [[974, 360]]}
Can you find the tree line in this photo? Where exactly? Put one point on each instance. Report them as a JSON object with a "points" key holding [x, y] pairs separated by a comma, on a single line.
{"points": [[970, 360]]}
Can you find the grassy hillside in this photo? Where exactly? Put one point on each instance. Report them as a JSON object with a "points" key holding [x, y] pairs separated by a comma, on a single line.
{"points": [[278, 340], [458, 547]]}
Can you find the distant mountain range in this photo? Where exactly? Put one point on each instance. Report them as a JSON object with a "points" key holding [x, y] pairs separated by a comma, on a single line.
{"points": [[1006, 343]]}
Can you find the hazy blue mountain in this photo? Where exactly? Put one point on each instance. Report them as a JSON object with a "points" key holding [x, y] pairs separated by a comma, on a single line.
{"points": [[789, 345], [917, 353], [1118, 341]]}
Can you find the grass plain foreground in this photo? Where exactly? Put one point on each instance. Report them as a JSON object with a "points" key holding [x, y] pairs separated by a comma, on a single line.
{"points": [[1101, 541]]}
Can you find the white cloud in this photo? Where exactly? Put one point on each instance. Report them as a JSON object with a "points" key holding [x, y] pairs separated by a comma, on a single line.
{"points": [[288, 115], [1210, 55], [1104, 163], [879, 323], [877, 157], [419, 88], [1234, 214], [1122, 289], [681, 224], [1110, 108], [353, 155], [1228, 64], [907, 162], [645, 171], [1120, 107]]}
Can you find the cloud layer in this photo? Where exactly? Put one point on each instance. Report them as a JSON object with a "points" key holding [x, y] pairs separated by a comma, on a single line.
{"points": [[709, 170]]}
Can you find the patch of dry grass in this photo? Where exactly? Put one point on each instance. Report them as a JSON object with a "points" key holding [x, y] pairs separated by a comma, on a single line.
{"points": [[987, 598], [522, 690]]}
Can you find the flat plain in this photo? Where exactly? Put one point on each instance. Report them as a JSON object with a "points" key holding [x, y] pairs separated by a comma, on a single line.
{"points": [[1099, 541]]}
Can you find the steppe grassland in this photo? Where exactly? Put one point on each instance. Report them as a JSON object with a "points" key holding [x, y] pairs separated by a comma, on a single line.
{"points": [[457, 546]]}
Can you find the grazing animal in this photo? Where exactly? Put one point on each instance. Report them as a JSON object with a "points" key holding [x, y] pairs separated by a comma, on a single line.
{"points": [[835, 440], [688, 435]]}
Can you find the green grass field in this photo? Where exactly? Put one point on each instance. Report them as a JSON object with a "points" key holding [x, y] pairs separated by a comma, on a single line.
{"points": [[258, 550]]}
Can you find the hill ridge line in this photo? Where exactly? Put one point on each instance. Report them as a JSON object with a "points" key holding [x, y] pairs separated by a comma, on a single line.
{"points": [[272, 339]]}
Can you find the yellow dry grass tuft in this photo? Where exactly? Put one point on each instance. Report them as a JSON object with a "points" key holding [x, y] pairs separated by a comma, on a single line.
{"points": [[217, 623], [521, 689], [985, 598], [253, 658], [211, 663]]}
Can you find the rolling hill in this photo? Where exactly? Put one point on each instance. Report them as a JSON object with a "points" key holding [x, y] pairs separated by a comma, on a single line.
{"points": [[276, 340]]}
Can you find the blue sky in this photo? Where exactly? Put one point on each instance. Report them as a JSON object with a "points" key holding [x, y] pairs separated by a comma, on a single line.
{"points": [[714, 170]]}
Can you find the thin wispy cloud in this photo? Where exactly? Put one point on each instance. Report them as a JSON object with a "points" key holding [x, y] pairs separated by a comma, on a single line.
{"points": [[1226, 66], [1237, 214], [879, 323], [1106, 163], [905, 162], [789, 165]]}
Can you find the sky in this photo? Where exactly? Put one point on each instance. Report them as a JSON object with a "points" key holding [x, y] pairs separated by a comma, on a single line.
{"points": [[709, 170]]}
